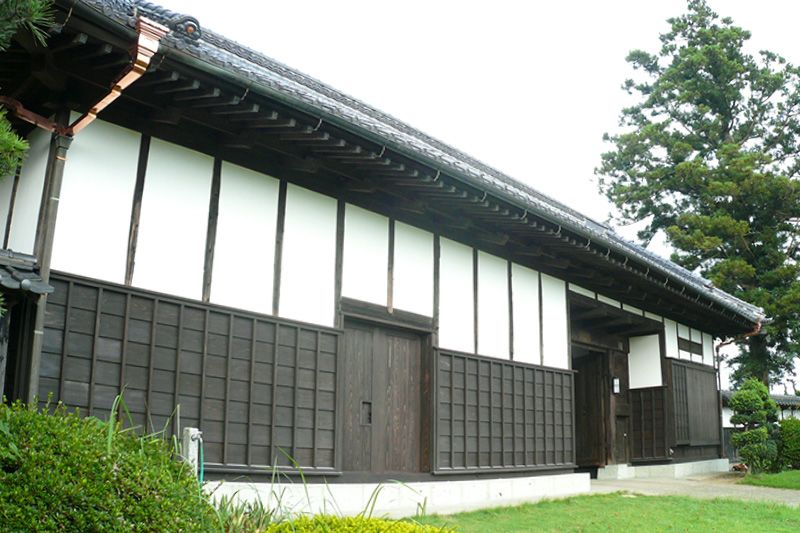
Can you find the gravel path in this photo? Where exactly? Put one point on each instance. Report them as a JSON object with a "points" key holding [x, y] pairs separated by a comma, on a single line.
{"points": [[705, 486]]}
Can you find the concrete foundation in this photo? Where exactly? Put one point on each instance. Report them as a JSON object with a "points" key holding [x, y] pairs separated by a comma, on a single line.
{"points": [[396, 500], [671, 470]]}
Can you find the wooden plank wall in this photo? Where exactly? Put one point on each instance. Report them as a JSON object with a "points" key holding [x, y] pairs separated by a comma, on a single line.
{"points": [[697, 421], [500, 415], [649, 422], [218, 365], [681, 399]]}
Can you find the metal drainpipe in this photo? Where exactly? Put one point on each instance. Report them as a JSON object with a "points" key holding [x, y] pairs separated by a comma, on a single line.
{"points": [[150, 34]]}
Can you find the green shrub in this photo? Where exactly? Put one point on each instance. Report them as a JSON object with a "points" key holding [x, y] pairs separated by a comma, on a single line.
{"points": [[360, 524], [756, 411], [63, 472], [790, 442]]}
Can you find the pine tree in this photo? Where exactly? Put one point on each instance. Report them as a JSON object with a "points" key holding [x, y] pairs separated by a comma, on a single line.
{"points": [[18, 15], [710, 156]]}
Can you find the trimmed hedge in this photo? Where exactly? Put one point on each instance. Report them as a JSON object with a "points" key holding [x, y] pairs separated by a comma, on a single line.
{"points": [[63, 472], [326, 523], [790, 442]]}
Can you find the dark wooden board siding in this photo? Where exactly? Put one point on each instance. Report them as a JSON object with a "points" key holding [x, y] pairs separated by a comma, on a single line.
{"points": [[680, 397], [649, 424], [494, 414], [695, 398], [218, 365]]}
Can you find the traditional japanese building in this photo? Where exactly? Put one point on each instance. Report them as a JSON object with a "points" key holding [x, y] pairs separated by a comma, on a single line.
{"points": [[237, 247]]}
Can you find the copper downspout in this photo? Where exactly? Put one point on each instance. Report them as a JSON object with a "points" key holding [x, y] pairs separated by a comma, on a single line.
{"points": [[150, 34]]}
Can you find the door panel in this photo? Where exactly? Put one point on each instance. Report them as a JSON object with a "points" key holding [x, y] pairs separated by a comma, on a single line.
{"points": [[621, 408], [621, 455], [590, 427], [382, 399], [357, 398], [403, 394]]}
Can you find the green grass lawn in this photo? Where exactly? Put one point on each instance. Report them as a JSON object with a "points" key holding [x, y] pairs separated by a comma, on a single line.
{"points": [[789, 479], [627, 513]]}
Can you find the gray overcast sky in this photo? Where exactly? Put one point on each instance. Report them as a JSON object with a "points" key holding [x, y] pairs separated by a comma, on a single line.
{"points": [[527, 87]]}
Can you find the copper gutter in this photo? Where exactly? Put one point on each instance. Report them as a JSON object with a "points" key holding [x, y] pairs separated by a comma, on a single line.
{"points": [[150, 34]]}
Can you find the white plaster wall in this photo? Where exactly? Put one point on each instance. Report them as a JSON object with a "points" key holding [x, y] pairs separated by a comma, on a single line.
{"points": [[413, 269], [6, 184], [653, 316], [632, 309], [174, 221], [580, 290], [708, 349], [456, 304], [94, 213], [493, 312], [609, 301], [671, 338], [365, 260], [244, 250], [644, 362], [29, 193], [309, 257], [525, 293], [727, 413], [555, 333]]}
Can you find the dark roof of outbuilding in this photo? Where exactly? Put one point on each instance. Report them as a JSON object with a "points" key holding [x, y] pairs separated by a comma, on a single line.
{"points": [[18, 272], [226, 58]]}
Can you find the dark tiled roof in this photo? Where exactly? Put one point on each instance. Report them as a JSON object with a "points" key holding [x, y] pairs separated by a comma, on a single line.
{"points": [[783, 400], [225, 57], [17, 272]]}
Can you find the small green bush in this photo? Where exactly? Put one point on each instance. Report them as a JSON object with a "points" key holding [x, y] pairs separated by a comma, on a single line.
{"points": [[360, 524], [756, 411], [790, 442], [63, 472]]}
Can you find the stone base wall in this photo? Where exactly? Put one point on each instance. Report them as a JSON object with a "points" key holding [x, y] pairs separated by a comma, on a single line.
{"points": [[671, 470], [396, 500]]}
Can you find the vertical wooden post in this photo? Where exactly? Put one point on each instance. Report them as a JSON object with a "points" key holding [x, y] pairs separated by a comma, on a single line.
{"points": [[11, 200], [390, 270], [475, 301], [337, 287], [136, 207], [276, 276], [59, 145], [211, 232]]}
